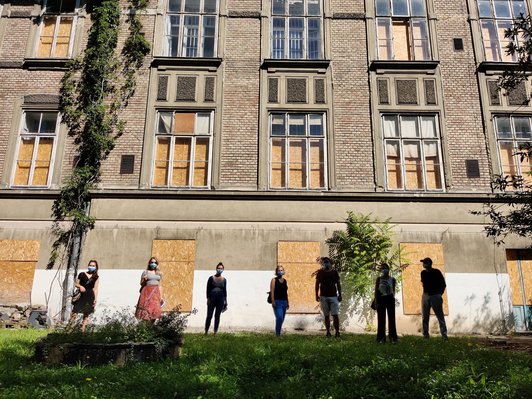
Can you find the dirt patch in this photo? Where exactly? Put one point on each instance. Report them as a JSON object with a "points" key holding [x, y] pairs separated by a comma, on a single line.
{"points": [[523, 345]]}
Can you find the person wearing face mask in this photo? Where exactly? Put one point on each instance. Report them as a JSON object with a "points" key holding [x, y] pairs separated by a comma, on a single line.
{"points": [[216, 298], [385, 303], [151, 298], [279, 297], [87, 283], [329, 294]]}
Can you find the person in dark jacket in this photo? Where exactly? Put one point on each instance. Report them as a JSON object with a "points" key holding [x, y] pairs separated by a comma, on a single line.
{"points": [[216, 298], [433, 289], [279, 298], [385, 302]]}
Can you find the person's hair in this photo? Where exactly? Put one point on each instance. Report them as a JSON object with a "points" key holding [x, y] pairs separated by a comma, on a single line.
{"points": [[95, 274], [326, 261], [277, 269], [385, 266], [220, 264]]}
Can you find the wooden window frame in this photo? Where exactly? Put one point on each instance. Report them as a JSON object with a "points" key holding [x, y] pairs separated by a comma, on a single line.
{"points": [[287, 18], [181, 15], [409, 20], [421, 140], [515, 142], [193, 139], [497, 42], [37, 137], [308, 139], [59, 16]]}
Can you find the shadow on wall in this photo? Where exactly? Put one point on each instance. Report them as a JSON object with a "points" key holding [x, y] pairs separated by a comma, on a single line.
{"points": [[481, 319]]}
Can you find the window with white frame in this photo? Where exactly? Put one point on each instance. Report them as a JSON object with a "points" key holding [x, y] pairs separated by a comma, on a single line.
{"points": [[183, 143], [56, 30], [297, 151], [412, 151], [35, 149], [191, 28], [296, 29], [511, 132], [402, 30], [496, 16]]}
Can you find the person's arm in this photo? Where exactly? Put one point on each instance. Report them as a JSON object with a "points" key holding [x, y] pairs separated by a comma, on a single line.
{"points": [[209, 289], [443, 285], [287, 297], [317, 289], [339, 287], [376, 293], [161, 290], [78, 284], [272, 291], [225, 292], [394, 284], [95, 290], [143, 278]]}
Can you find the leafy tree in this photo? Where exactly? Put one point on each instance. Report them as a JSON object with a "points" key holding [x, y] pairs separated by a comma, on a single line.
{"points": [[511, 211], [357, 252]]}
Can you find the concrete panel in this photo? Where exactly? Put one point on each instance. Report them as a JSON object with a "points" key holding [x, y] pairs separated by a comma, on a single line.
{"points": [[25, 209]]}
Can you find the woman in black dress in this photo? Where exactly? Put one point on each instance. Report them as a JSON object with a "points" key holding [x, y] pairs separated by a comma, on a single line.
{"points": [[87, 282], [216, 298]]}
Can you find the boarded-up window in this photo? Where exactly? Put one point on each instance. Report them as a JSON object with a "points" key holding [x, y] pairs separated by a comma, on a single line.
{"points": [[297, 151], [35, 149], [411, 278], [18, 260], [176, 260], [299, 262], [183, 149], [56, 30]]}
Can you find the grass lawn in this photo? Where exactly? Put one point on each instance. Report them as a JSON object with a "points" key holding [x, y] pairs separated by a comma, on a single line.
{"points": [[295, 366]]}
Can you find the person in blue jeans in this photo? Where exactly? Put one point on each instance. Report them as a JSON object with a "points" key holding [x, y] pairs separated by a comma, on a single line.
{"points": [[216, 298], [279, 297]]}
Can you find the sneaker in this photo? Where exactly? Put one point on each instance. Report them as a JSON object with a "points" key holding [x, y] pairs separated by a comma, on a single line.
{"points": [[394, 341], [337, 335], [381, 341], [328, 335]]}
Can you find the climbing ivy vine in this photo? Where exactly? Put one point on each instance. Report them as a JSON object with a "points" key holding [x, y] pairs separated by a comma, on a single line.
{"points": [[95, 88]]}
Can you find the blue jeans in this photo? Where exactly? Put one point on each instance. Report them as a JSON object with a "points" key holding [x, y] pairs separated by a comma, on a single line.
{"points": [[279, 310]]}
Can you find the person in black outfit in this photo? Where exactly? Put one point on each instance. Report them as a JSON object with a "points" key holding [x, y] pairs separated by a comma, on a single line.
{"points": [[279, 297], [385, 302], [216, 298], [88, 283], [433, 289]]}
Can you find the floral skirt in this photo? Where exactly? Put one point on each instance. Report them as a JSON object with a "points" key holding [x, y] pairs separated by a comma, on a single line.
{"points": [[149, 304]]}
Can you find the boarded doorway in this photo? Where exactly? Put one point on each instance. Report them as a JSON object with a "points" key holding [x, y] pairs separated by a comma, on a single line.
{"points": [[299, 261], [176, 259], [519, 265], [18, 259]]}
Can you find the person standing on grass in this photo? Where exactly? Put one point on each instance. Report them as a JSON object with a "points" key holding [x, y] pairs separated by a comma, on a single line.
{"points": [[279, 297], [151, 298], [87, 283], [433, 289], [216, 298], [329, 294], [385, 302]]}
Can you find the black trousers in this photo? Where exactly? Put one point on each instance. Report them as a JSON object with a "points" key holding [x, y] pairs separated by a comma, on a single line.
{"points": [[216, 305], [386, 304]]}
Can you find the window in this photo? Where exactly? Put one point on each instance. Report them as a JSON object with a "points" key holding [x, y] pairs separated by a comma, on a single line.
{"points": [[191, 28], [296, 29], [35, 149], [412, 151], [512, 131], [495, 17], [297, 151], [183, 149], [57, 29], [402, 30]]}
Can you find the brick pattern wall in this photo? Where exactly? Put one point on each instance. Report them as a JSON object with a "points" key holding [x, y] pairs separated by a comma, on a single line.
{"points": [[465, 136]]}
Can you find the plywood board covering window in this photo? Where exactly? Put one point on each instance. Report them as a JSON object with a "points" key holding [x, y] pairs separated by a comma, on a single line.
{"points": [[299, 261], [18, 259], [183, 146], [411, 286], [176, 260], [57, 29], [522, 259]]}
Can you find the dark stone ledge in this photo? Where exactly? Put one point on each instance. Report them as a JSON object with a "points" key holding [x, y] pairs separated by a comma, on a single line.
{"points": [[185, 61], [41, 99], [295, 64], [244, 14], [498, 66], [20, 14], [348, 15], [46, 63], [404, 65], [11, 64]]}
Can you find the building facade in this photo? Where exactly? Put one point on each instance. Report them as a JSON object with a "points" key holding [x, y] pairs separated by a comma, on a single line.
{"points": [[255, 127]]}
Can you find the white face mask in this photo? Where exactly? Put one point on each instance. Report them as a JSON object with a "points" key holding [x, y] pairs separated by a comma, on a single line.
{"points": [[219, 271]]}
